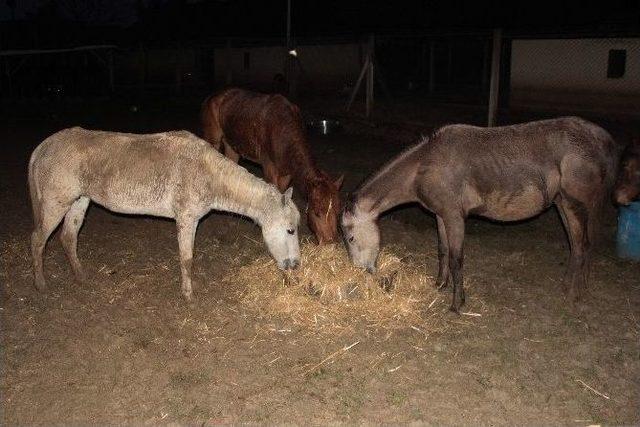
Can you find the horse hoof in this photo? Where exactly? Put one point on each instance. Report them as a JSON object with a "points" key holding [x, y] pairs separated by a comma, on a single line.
{"points": [[40, 285], [454, 309], [189, 298], [81, 278], [442, 287]]}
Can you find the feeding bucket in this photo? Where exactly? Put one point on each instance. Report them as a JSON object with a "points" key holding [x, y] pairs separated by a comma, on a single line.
{"points": [[628, 239]]}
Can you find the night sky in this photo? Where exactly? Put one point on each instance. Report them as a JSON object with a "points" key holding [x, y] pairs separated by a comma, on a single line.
{"points": [[198, 19]]}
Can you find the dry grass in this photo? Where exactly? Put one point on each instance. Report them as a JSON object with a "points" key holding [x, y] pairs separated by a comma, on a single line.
{"points": [[328, 292]]}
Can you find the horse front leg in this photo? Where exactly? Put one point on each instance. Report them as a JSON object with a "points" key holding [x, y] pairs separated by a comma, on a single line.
{"points": [[270, 172], [283, 182], [230, 152], [443, 255], [454, 227], [186, 236]]}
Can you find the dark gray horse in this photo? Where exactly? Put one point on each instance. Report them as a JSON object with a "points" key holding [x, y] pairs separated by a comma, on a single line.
{"points": [[504, 173]]}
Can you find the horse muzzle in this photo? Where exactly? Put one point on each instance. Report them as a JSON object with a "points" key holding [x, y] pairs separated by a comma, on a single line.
{"points": [[290, 264]]}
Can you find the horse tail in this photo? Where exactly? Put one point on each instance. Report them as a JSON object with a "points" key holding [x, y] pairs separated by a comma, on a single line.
{"points": [[34, 188]]}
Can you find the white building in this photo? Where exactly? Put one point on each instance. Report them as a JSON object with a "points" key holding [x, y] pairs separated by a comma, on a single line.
{"points": [[594, 74]]}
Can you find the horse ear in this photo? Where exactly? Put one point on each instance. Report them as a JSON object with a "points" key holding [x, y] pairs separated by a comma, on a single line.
{"points": [[350, 202], [286, 197], [338, 182]]}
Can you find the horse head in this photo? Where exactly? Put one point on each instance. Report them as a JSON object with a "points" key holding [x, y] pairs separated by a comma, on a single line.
{"points": [[324, 207], [361, 235], [627, 186], [280, 231]]}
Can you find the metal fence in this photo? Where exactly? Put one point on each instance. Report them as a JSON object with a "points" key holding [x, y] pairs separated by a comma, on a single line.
{"points": [[487, 69]]}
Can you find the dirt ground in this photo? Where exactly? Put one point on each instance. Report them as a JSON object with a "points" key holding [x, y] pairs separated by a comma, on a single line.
{"points": [[126, 349]]}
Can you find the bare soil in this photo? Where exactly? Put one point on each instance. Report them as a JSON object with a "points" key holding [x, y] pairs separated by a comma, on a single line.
{"points": [[126, 348]]}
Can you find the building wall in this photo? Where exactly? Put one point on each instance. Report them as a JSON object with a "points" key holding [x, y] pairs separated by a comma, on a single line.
{"points": [[323, 66], [572, 74]]}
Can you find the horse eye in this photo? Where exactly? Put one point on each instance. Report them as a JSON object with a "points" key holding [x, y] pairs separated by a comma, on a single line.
{"points": [[291, 231], [351, 239]]}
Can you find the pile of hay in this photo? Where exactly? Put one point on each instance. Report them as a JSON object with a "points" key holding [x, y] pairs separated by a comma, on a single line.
{"points": [[328, 292]]}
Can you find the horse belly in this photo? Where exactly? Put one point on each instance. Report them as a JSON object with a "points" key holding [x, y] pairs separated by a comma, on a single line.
{"points": [[523, 204], [131, 199]]}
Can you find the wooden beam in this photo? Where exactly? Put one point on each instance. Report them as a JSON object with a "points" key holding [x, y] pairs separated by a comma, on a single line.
{"points": [[365, 67], [229, 65], [370, 76], [370, 83]]}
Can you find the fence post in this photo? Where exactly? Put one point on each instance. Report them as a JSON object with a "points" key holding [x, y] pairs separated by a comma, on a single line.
{"points": [[110, 66], [494, 85], [178, 69], [449, 62], [142, 63], [432, 66], [486, 53]]}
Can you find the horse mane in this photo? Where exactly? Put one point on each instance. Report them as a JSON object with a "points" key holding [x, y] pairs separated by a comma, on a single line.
{"points": [[423, 139], [238, 190], [306, 169]]}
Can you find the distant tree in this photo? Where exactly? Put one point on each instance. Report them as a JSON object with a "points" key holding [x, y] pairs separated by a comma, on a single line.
{"points": [[92, 12]]}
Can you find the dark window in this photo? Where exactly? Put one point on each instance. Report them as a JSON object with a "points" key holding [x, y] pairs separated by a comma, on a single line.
{"points": [[617, 63], [247, 62]]}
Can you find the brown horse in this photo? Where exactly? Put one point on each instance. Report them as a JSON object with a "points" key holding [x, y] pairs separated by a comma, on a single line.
{"points": [[627, 187], [505, 173], [268, 129]]}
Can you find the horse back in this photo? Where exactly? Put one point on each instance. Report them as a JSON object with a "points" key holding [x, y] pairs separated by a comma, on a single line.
{"points": [[124, 172], [513, 172], [258, 126]]}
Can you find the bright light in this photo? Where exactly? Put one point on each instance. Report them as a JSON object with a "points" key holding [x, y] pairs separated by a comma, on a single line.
{"points": [[293, 52]]}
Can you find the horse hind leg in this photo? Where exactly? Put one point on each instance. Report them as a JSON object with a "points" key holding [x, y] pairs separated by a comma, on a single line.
{"points": [[69, 236], [47, 216], [575, 217], [186, 235]]}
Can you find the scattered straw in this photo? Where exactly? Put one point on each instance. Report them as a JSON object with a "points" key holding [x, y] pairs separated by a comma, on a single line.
{"points": [[587, 386], [329, 357], [327, 292]]}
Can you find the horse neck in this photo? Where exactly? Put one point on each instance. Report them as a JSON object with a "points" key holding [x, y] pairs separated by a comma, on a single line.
{"points": [[234, 189], [305, 171], [392, 185]]}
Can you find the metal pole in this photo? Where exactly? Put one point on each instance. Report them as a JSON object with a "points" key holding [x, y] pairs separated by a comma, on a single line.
{"points": [[494, 85], [288, 25]]}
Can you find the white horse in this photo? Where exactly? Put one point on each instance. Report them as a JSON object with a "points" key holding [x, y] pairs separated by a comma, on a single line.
{"points": [[172, 175]]}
